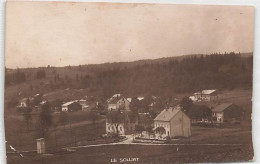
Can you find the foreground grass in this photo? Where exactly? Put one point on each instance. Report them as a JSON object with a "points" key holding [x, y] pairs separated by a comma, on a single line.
{"points": [[146, 154]]}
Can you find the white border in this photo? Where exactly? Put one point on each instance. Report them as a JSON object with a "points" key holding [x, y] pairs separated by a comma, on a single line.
{"points": [[256, 79]]}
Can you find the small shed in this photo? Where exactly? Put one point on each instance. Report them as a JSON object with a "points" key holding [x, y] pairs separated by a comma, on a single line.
{"points": [[40, 145]]}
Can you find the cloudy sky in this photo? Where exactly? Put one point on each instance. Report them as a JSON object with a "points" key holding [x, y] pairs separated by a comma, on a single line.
{"points": [[63, 33]]}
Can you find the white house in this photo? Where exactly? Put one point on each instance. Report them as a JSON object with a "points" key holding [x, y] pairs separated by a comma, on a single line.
{"points": [[206, 95], [126, 127], [174, 121], [111, 128], [23, 102], [116, 102]]}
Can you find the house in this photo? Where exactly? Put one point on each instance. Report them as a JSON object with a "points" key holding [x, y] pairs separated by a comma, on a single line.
{"points": [[117, 102], [174, 121], [124, 128], [24, 102], [206, 95], [83, 104], [71, 106], [111, 128], [227, 112], [114, 96]]}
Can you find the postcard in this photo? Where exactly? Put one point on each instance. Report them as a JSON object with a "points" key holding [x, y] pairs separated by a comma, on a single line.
{"points": [[89, 82]]}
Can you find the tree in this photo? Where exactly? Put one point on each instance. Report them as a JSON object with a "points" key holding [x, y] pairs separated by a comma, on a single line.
{"points": [[31, 88], [186, 104], [37, 99], [27, 116], [12, 102], [63, 118], [139, 129], [199, 112], [160, 130], [45, 118], [149, 130], [40, 74], [115, 118], [135, 105], [93, 116]]}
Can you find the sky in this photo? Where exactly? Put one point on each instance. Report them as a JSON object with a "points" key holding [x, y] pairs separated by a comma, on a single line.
{"points": [[64, 33]]}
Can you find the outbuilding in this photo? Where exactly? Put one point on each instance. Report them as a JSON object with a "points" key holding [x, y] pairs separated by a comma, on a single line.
{"points": [[71, 106], [227, 112]]}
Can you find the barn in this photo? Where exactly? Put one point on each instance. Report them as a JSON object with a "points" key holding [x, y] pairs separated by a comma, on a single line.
{"points": [[71, 106], [227, 112]]}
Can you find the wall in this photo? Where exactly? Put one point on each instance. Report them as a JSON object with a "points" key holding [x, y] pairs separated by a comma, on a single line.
{"points": [[180, 125]]}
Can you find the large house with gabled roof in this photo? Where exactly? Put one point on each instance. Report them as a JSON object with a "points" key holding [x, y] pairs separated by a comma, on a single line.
{"points": [[175, 122]]}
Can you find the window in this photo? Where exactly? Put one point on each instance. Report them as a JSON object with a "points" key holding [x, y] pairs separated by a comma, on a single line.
{"points": [[108, 128], [120, 128]]}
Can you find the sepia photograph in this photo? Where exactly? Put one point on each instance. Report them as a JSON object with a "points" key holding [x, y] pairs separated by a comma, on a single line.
{"points": [[99, 82]]}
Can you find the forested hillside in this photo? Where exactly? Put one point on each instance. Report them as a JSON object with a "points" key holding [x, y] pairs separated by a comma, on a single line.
{"points": [[165, 76]]}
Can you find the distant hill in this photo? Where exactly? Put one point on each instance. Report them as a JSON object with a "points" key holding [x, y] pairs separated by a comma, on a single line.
{"points": [[164, 76]]}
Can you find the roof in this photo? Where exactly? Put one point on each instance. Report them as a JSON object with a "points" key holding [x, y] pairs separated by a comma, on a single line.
{"points": [[140, 98], [24, 99], [192, 98], [114, 96], [114, 100], [221, 107], [168, 114], [207, 92], [68, 103], [129, 99]]}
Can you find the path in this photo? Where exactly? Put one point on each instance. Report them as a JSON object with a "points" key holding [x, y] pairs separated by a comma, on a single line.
{"points": [[129, 140]]}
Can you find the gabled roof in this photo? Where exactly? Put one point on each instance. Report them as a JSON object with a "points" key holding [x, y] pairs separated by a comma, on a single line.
{"points": [[114, 100], [24, 99], [68, 103], [207, 92], [221, 107], [114, 96], [168, 114]]}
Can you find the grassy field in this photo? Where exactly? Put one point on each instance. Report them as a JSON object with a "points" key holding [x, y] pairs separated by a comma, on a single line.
{"points": [[159, 154], [238, 135], [57, 137]]}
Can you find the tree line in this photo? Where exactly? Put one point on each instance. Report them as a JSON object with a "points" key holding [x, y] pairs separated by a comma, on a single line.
{"points": [[220, 71], [190, 74]]}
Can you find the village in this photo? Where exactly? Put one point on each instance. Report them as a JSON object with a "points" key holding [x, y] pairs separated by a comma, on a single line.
{"points": [[149, 119], [63, 114]]}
